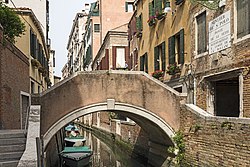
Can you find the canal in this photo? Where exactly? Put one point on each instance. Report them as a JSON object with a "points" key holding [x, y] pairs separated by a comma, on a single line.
{"points": [[106, 154]]}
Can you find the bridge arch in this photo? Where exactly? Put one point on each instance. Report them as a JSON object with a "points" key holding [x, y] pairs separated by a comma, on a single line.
{"points": [[155, 125]]}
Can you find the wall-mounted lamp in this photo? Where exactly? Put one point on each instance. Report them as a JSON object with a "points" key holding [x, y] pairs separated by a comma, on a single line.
{"points": [[167, 8]]}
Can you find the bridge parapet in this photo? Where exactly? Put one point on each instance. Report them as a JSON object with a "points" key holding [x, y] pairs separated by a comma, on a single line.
{"points": [[136, 89]]}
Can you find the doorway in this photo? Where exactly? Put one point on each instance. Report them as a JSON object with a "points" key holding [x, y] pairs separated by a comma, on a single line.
{"points": [[227, 98]]}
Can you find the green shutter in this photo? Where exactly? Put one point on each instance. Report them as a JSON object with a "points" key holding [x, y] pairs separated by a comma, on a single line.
{"points": [[142, 63], [178, 2], [171, 49], [163, 56], [156, 58], [31, 43], [126, 6], [158, 6], [139, 23], [182, 51], [146, 62], [151, 9], [35, 47]]}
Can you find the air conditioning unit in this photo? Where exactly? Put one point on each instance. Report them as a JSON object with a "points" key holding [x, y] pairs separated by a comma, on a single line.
{"points": [[222, 3]]}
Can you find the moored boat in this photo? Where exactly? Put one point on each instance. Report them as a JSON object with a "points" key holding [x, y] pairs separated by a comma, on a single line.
{"points": [[70, 141], [76, 156]]}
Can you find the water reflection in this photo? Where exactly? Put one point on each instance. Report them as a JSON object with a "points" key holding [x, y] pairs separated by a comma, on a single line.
{"points": [[107, 155]]}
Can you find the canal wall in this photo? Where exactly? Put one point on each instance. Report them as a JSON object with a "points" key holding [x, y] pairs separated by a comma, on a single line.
{"points": [[214, 141], [55, 146], [136, 150]]}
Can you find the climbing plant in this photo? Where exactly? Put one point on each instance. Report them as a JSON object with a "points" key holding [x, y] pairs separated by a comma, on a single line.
{"points": [[11, 23], [210, 4], [178, 149]]}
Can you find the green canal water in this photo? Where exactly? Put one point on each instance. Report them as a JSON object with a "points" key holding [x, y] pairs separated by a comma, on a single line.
{"points": [[107, 155]]}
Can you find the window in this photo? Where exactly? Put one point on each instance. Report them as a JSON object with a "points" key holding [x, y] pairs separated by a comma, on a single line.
{"points": [[151, 7], [160, 57], [201, 44], [139, 23], [176, 48], [159, 5], [243, 18], [39, 90], [33, 43], [144, 63], [129, 7], [96, 27], [120, 58], [32, 87], [178, 2]]}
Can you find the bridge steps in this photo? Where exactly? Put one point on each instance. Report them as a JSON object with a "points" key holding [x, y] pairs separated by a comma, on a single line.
{"points": [[12, 146]]}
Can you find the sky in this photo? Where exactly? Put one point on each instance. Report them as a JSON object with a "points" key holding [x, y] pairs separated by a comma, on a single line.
{"points": [[62, 14]]}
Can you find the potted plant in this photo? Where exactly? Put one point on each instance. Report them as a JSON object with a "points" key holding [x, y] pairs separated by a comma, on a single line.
{"points": [[138, 34], [35, 63], [158, 74], [160, 15], [151, 21], [173, 69]]}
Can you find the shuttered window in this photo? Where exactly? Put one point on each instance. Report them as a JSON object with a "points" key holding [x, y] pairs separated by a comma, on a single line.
{"points": [[32, 44], [114, 57], [201, 33], [163, 56], [181, 47], [156, 58], [176, 48], [144, 63], [171, 50], [243, 18], [151, 8], [139, 23], [106, 60], [160, 57], [158, 6], [178, 2]]}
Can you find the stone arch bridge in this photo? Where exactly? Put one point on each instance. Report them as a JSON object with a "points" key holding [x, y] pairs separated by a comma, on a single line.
{"points": [[154, 106]]}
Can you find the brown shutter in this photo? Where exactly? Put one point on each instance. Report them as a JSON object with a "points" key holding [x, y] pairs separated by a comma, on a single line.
{"points": [[127, 58], [135, 58], [100, 66], [201, 25], [107, 59], [114, 57]]}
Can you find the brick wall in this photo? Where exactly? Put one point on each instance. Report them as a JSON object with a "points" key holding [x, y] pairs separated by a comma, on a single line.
{"points": [[14, 78], [236, 56], [104, 120], [215, 141]]}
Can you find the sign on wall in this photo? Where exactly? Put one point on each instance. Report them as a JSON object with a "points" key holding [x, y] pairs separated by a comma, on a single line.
{"points": [[219, 33]]}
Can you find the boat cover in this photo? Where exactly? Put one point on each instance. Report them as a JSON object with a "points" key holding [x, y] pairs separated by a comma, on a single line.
{"points": [[75, 139], [83, 149]]}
